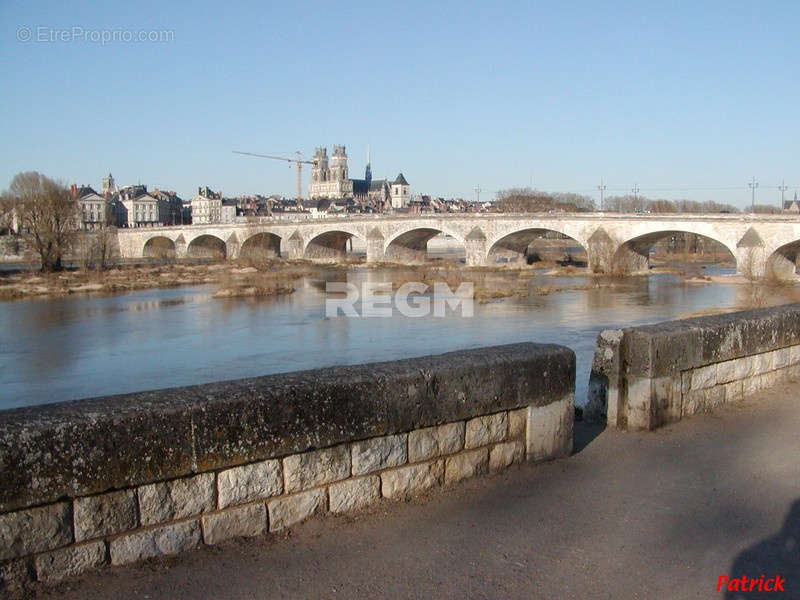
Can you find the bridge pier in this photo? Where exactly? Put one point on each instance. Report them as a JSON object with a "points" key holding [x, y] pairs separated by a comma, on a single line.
{"points": [[631, 259], [375, 242], [751, 262], [476, 248], [232, 247], [295, 246], [782, 263], [180, 247]]}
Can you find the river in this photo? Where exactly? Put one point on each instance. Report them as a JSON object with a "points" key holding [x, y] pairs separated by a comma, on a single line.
{"points": [[83, 346]]}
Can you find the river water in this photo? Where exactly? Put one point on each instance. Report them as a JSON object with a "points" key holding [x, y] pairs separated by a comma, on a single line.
{"points": [[84, 346]]}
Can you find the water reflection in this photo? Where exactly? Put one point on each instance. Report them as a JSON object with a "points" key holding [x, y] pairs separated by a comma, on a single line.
{"points": [[76, 347]]}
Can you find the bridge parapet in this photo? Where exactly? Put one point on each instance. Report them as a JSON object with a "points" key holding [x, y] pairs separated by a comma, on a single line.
{"points": [[646, 377], [124, 478]]}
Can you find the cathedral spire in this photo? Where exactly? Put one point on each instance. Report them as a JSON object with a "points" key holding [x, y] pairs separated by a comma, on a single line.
{"points": [[368, 171]]}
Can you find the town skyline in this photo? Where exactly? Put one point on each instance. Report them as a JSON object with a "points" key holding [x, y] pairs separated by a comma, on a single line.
{"points": [[679, 99]]}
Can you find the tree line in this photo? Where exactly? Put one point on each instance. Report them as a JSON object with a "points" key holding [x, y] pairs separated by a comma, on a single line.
{"points": [[642, 204], [523, 200]]}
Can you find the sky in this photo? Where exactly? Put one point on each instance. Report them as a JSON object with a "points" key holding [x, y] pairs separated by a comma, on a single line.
{"points": [[684, 99]]}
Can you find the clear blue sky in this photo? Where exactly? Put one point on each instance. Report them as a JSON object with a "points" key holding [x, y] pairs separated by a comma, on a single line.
{"points": [[681, 95]]}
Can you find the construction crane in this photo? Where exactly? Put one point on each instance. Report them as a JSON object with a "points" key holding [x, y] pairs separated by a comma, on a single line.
{"points": [[298, 161]]}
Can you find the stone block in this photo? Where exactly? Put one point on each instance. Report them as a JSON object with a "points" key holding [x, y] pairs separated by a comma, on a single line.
{"points": [[768, 380], [549, 432], [432, 442], [241, 521], [159, 541], [734, 390], [35, 529], [714, 397], [466, 464], [379, 453], [763, 362], [743, 367], [15, 577], [505, 454], [176, 499], [288, 510], [353, 494], [794, 355], [786, 374], [726, 371], [412, 479], [686, 381], [247, 483], [749, 386], [517, 423], [665, 399], [782, 358], [639, 404], [485, 430], [694, 402], [318, 467], [704, 377], [104, 514], [70, 561]]}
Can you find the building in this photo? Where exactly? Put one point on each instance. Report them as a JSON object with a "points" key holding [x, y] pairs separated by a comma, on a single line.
{"points": [[228, 210], [174, 206], [109, 187], [92, 213], [330, 180], [140, 208], [206, 206], [372, 195], [401, 192]]}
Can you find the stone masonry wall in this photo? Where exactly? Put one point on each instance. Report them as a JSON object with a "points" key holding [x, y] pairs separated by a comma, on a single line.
{"points": [[65, 536], [645, 377]]}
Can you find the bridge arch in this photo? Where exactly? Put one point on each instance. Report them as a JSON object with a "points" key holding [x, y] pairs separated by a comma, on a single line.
{"points": [[159, 246], [411, 244], [330, 245], [633, 254], [516, 245], [207, 246], [261, 245], [782, 263]]}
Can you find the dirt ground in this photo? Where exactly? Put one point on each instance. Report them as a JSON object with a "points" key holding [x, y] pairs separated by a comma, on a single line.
{"points": [[629, 516], [233, 279]]}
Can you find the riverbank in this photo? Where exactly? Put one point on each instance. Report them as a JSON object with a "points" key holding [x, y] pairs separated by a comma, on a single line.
{"points": [[267, 278], [234, 279]]}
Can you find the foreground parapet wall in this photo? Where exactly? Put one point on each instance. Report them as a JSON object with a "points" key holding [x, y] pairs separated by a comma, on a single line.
{"points": [[124, 478], [645, 377]]}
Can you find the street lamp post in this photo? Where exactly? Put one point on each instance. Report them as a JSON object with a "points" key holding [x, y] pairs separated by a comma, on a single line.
{"points": [[753, 185]]}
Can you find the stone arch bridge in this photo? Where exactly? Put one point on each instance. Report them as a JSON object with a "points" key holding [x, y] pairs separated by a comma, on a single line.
{"points": [[759, 244]]}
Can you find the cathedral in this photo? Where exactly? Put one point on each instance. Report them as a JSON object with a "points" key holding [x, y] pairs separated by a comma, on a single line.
{"points": [[330, 179]]}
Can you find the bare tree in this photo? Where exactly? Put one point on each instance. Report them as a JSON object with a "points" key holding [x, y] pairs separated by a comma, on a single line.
{"points": [[98, 249], [6, 216], [47, 215], [766, 209], [525, 200], [641, 204]]}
